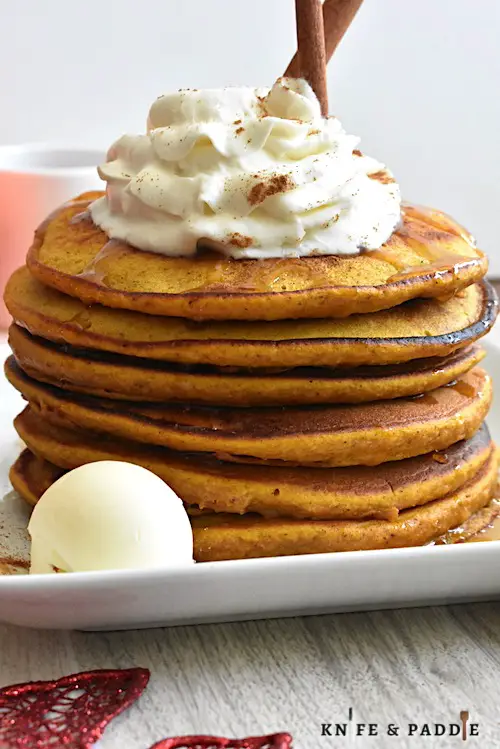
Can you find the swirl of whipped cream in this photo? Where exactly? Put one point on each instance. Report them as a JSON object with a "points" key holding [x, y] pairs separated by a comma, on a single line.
{"points": [[259, 171]]}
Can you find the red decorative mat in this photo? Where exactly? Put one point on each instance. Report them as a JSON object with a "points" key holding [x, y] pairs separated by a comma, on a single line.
{"points": [[71, 712], [274, 741]]}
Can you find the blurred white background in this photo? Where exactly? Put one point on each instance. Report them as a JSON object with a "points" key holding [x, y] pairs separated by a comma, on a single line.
{"points": [[419, 81]]}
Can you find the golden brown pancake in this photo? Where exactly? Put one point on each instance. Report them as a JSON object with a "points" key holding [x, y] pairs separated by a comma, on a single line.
{"points": [[364, 434], [429, 256], [417, 329], [128, 378], [218, 537], [472, 529], [31, 476], [249, 536], [327, 493]]}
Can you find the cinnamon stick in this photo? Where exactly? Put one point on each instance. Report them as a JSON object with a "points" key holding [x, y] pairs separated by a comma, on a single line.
{"points": [[311, 47], [337, 17]]}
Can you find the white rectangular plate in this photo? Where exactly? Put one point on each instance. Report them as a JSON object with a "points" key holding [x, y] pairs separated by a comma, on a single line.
{"points": [[246, 589]]}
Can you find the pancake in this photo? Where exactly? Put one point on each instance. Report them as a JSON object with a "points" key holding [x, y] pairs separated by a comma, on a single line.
{"points": [[418, 329], [429, 256], [363, 434], [31, 476], [326, 493], [475, 525], [218, 537], [249, 536], [128, 378]]}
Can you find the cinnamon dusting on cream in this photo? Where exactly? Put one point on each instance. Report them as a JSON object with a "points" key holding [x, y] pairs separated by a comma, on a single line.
{"points": [[238, 240], [278, 183], [382, 176]]}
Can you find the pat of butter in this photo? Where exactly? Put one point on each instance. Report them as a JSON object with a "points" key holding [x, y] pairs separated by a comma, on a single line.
{"points": [[109, 515]]}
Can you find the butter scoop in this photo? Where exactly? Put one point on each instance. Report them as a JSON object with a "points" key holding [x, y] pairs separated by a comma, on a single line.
{"points": [[109, 515]]}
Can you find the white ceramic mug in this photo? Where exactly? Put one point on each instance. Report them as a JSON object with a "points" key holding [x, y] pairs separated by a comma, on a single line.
{"points": [[34, 180]]}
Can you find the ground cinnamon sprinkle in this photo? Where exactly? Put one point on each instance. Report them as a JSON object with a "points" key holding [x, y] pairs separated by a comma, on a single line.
{"points": [[13, 562], [357, 152], [382, 176], [275, 184], [238, 240], [239, 130]]}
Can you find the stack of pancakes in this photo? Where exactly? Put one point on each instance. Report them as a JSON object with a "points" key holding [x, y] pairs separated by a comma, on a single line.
{"points": [[295, 405]]}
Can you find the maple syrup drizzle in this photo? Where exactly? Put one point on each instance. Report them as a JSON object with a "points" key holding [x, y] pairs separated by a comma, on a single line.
{"points": [[464, 388], [461, 534], [435, 260], [13, 562], [260, 277], [490, 533], [96, 271], [276, 274], [440, 458], [447, 263], [81, 218], [82, 319], [84, 204], [438, 220], [387, 255], [426, 399]]}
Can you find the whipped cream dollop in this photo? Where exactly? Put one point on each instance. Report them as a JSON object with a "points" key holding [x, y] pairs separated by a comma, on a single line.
{"points": [[258, 170]]}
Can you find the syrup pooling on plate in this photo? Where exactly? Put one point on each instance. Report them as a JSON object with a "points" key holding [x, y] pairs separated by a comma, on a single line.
{"points": [[490, 533], [10, 565], [484, 526]]}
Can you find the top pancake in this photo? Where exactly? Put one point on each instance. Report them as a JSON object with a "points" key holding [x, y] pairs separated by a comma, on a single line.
{"points": [[428, 256]]}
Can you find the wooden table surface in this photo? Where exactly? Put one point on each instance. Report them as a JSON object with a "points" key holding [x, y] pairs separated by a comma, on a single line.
{"points": [[407, 666], [413, 665]]}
